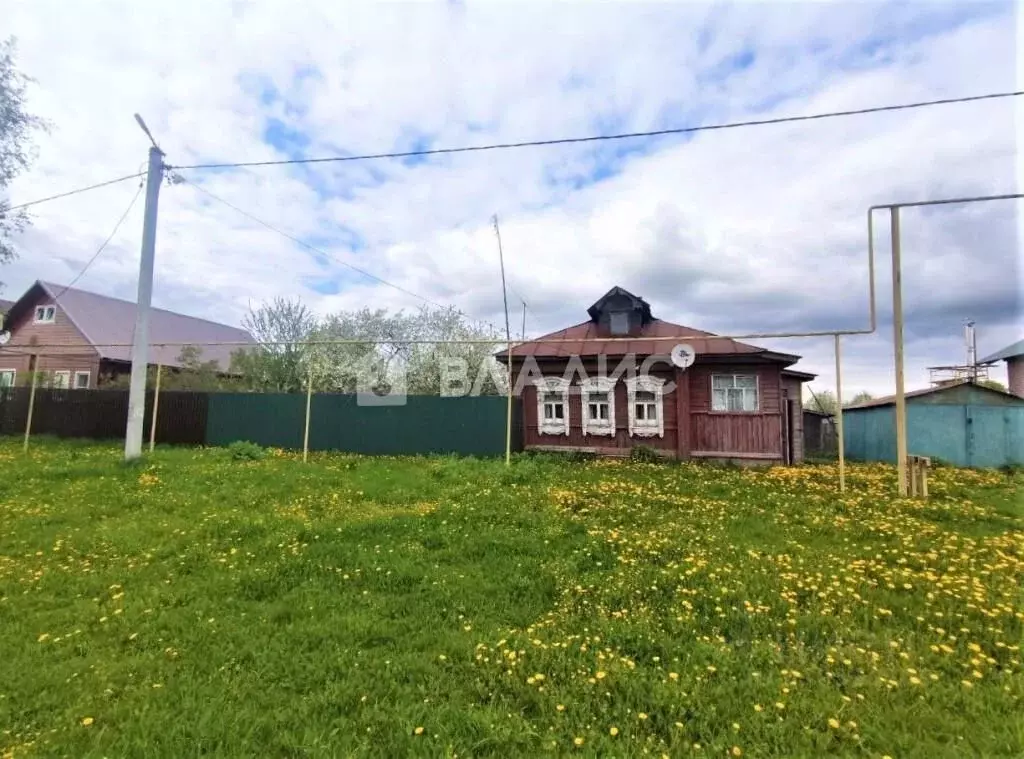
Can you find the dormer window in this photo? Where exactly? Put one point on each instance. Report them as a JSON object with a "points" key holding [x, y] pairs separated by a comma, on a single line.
{"points": [[45, 314], [620, 313]]}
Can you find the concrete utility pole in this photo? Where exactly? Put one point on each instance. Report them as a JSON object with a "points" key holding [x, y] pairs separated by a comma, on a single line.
{"points": [[140, 341]]}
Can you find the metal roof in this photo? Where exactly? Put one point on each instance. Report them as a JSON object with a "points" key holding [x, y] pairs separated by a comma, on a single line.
{"points": [[585, 340], [103, 319], [1010, 351], [889, 400]]}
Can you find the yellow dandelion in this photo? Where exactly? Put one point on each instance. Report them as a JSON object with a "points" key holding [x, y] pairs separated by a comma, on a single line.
{"points": [[560, 707], [673, 675], [758, 707], [577, 741], [418, 731], [613, 731], [641, 715], [737, 751], [833, 723], [86, 721], [779, 705], [600, 675]]}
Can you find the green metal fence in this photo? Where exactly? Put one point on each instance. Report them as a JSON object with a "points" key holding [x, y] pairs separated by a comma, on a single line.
{"points": [[423, 424]]}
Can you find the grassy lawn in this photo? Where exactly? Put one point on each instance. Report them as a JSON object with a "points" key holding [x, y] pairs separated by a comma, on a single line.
{"points": [[199, 605]]}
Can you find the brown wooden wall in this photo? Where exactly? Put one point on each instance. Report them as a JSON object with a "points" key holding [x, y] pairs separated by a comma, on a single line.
{"points": [[756, 434], [793, 390], [704, 433], [622, 440], [73, 352]]}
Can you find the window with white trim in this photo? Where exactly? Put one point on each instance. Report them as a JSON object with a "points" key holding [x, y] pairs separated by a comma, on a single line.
{"points": [[61, 380], [646, 418], [7, 377], [553, 406], [82, 380], [45, 314], [598, 400], [734, 392]]}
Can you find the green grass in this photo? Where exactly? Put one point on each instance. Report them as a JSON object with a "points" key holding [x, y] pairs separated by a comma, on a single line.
{"points": [[203, 605]]}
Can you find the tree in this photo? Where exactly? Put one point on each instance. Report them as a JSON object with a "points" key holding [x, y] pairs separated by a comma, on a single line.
{"points": [[276, 363], [862, 397], [825, 401], [16, 127], [992, 385], [362, 350]]}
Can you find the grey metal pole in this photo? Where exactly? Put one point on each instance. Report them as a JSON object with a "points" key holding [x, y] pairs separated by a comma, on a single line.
{"points": [[309, 401], [897, 325], [839, 419], [156, 408], [33, 363], [140, 341]]}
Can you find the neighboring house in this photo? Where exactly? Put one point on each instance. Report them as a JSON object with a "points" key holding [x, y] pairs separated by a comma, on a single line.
{"points": [[961, 423], [1013, 355], [819, 433], [81, 338], [736, 402]]}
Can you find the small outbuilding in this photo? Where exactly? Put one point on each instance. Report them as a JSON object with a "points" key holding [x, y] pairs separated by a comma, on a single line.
{"points": [[960, 423], [1013, 355]]}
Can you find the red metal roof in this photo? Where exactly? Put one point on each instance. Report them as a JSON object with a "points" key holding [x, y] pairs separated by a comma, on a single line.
{"points": [[704, 343]]}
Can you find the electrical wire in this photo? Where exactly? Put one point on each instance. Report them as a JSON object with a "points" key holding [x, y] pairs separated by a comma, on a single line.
{"points": [[73, 192], [598, 138], [106, 242]]}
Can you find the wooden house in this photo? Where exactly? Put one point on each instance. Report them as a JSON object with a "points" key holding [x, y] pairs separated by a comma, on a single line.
{"points": [[79, 339], [608, 384]]}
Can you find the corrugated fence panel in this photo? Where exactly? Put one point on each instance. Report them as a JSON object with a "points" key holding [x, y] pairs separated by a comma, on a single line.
{"points": [[102, 414], [270, 419], [423, 424]]}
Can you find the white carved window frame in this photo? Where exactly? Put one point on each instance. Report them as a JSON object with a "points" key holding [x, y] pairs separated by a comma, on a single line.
{"points": [[598, 385], [553, 426], [646, 427]]}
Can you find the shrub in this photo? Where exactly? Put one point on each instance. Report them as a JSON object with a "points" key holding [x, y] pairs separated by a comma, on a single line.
{"points": [[644, 454], [243, 450]]}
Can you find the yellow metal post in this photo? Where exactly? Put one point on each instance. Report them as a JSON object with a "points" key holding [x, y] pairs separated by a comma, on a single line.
{"points": [[156, 408], [33, 363], [839, 418], [309, 403], [897, 326]]}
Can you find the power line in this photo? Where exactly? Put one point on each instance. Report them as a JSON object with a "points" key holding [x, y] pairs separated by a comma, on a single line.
{"points": [[306, 245], [73, 192], [597, 138], [99, 250]]}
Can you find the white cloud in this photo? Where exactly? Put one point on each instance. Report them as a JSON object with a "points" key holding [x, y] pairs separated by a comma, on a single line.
{"points": [[739, 230]]}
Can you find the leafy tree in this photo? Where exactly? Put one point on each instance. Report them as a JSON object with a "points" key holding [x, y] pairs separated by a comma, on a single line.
{"points": [[825, 401], [16, 127], [276, 363], [992, 385], [361, 350]]}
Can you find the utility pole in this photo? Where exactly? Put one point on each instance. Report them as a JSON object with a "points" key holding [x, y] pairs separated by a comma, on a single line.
{"points": [[508, 339], [524, 320], [140, 341]]}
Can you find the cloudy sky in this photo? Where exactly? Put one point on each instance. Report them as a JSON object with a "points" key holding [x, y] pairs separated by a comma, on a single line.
{"points": [[748, 230]]}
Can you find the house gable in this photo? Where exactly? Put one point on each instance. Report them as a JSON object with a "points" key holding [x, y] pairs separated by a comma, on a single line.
{"points": [[60, 334]]}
